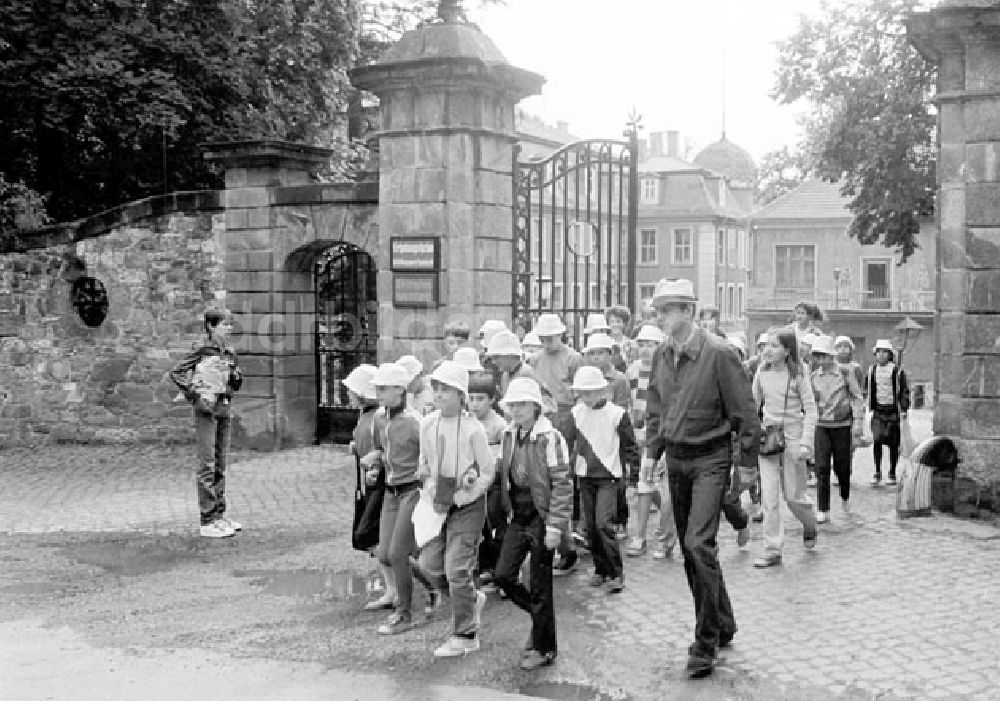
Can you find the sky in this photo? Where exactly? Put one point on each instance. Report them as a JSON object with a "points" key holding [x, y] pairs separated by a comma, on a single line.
{"points": [[668, 58]]}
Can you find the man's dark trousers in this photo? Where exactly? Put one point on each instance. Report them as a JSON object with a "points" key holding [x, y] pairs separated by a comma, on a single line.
{"points": [[697, 487]]}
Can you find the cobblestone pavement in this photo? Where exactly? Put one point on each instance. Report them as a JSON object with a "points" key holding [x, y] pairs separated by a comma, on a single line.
{"points": [[881, 608]]}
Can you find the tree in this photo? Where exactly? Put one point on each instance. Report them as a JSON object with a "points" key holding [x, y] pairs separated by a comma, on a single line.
{"points": [[872, 126], [779, 172], [20, 206]]}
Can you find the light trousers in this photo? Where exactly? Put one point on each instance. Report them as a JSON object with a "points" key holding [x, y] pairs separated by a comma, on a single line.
{"points": [[784, 474]]}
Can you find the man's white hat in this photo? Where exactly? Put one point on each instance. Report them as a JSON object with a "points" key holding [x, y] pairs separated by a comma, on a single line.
{"points": [[650, 333], [673, 291], [391, 375], [599, 341], [359, 381], [531, 339], [504, 343], [824, 344], [452, 374], [596, 323], [883, 344], [588, 377], [489, 329], [412, 366], [468, 358], [844, 340], [549, 325], [522, 389]]}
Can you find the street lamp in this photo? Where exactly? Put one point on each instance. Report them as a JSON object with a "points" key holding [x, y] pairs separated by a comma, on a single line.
{"points": [[907, 332]]}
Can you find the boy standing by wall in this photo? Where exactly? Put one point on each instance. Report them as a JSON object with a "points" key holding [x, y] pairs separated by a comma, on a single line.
{"points": [[889, 400]]}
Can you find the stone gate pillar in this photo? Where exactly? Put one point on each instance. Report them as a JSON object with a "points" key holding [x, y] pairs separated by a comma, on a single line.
{"points": [[963, 38], [447, 99]]}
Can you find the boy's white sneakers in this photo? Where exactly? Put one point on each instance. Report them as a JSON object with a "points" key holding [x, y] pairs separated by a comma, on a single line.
{"points": [[457, 647], [217, 529], [480, 605], [231, 523]]}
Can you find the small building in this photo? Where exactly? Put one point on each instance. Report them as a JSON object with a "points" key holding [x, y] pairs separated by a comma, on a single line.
{"points": [[801, 251]]}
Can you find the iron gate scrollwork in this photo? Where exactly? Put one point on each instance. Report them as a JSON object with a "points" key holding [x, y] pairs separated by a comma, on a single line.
{"points": [[346, 333], [574, 231]]}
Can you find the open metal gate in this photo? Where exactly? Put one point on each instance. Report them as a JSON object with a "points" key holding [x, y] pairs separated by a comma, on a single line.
{"points": [[346, 333], [575, 231]]}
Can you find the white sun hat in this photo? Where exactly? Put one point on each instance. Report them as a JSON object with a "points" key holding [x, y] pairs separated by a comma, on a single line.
{"points": [[391, 375], [359, 381], [588, 377], [809, 339], [825, 345], [468, 358], [763, 338], [599, 341], [549, 325], [650, 333], [883, 344], [531, 339], [452, 374], [412, 366], [596, 323], [668, 291], [522, 389], [504, 343], [489, 329], [844, 340]]}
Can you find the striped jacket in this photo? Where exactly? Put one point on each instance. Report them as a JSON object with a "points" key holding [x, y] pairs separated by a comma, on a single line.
{"points": [[548, 473]]}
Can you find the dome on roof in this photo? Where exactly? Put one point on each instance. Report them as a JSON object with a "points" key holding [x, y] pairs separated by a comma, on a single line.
{"points": [[729, 159], [443, 40]]}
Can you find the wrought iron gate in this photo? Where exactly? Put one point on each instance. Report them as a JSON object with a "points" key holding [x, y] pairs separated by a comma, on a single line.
{"points": [[575, 231], [346, 333]]}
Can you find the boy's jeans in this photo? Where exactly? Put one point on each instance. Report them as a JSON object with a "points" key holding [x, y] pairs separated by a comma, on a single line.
{"points": [[520, 541], [600, 503], [451, 556], [212, 433]]}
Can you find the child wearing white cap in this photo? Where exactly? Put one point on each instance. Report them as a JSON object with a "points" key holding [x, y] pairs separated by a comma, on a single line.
{"points": [[598, 353], [603, 449], [889, 400], [419, 397]]}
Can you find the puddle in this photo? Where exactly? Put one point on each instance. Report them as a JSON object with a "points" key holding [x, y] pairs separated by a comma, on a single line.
{"points": [[567, 691], [338, 585], [130, 559]]}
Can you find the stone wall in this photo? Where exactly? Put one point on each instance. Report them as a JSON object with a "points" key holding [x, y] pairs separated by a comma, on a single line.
{"points": [[62, 380]]}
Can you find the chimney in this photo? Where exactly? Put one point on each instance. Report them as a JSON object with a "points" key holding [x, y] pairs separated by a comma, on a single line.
{"points": [[562, 126], [674, 144], [656, 144]]}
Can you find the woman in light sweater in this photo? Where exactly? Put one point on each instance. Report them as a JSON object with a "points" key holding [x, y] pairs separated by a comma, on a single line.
{"points": [[783, 389]]}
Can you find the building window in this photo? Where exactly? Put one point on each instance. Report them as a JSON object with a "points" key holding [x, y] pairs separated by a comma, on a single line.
{"points": [[647, 246], [557, 296], [741, 248], [646, 292], [649, 190], [731, 307], [795, 267], [720, 297], [732, 241], [559, 242], [740, 299], [682, 247], [720, 247]]}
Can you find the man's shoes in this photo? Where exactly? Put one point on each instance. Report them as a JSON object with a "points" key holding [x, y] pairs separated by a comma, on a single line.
{"points": [[822, 516], [596, 580], [769, 560], [636, 547], [699, 665], [891, 482], [876, 480], [566, 564], [216, 529], [534, 659], [743, 536], [386, 601], [480, 605], [726, 639], [457, 646], [614, 585], [231, 523], [809, 537], [398, 622], [758, 517], [434, 599]]}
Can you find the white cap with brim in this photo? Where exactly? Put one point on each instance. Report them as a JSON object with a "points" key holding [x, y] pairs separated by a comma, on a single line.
{"points": [[412, 366], [824, 345], [359, 381], [677, 291], [599, 341], [595, 323], [844, 340], [531, 339], [453, 375], [589, 378], [391, 375], [650, 333], [468, 358], [549, 325], [504, 343], [883, 344], [809, 339], [522, 389], [490, 328]]}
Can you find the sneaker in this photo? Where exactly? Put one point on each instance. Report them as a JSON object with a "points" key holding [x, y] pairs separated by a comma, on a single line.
{"points": [[845, 504], [743, 537], [636, 547], [699, 665], [566, 564], [489, 588], [622, 532], [809, 538], [386, 601], [434, 600], [614, 585], [876, 480], [822, 516], [534, 659], [457, 646], [597, 580], [769, 560], [579, 539], [891, 482], [398, 622], [231, 523], [216, 529], [480, 605], [812, 482], [758, 517], [662, 552]]}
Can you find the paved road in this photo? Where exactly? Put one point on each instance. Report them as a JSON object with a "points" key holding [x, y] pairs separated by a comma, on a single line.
{"points": [[898, 609]]}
